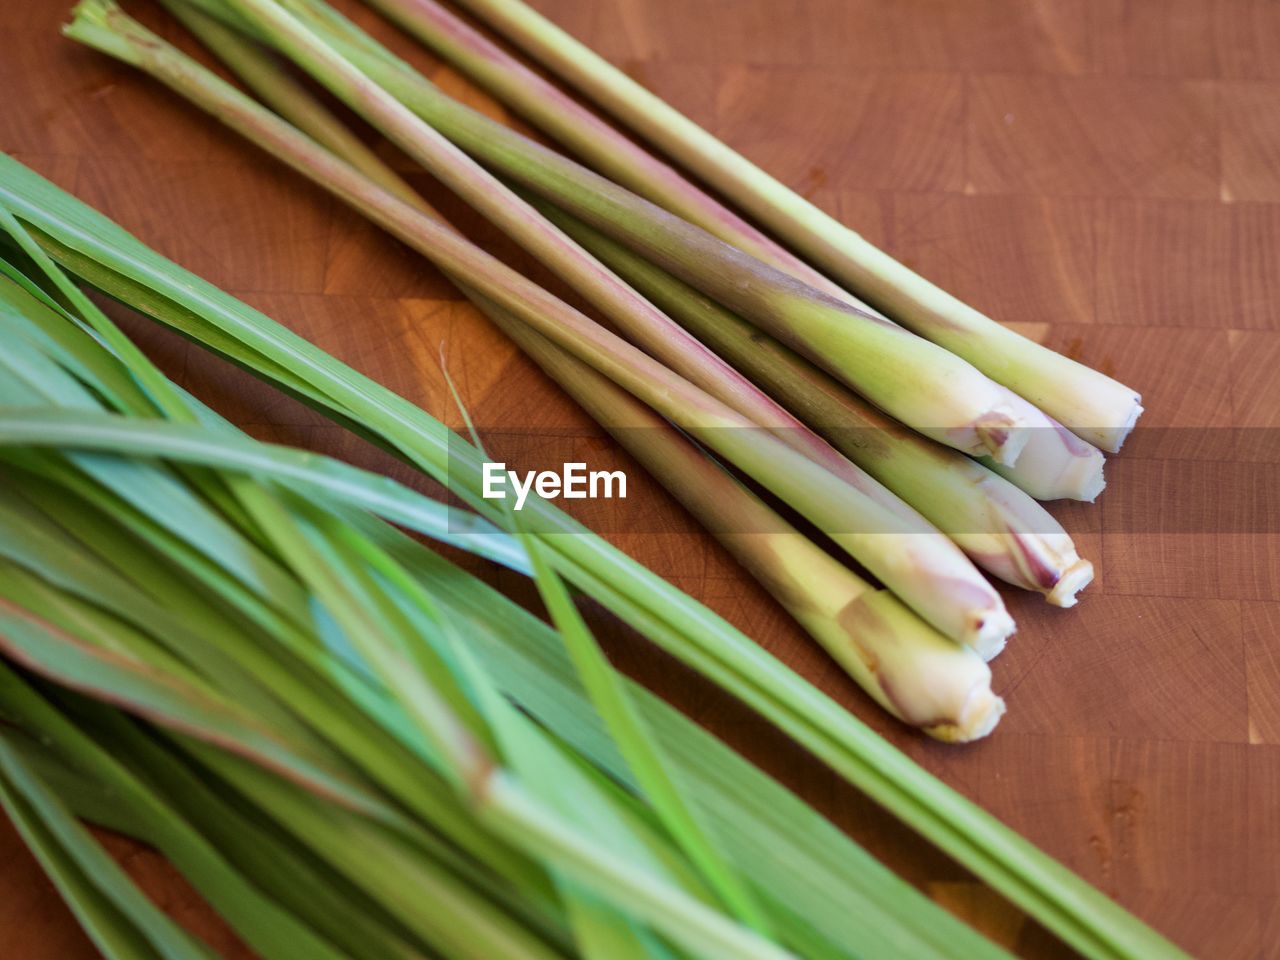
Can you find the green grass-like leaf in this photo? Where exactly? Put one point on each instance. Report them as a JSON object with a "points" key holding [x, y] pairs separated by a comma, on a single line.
{"points": [[825, 892]]}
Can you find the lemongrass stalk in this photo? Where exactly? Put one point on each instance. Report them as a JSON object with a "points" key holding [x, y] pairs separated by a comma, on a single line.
{"points": [[925, 386], [92, 246], [260, 71], [928, 572], [575, 126], [915, 673], [1056, 463], [1001, 528], [1093, 405]]}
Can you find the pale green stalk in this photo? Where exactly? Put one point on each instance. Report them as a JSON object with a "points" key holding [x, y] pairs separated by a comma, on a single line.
{"points": [[564, 118], [1095, 406], [924, 568], [1001, 528]]}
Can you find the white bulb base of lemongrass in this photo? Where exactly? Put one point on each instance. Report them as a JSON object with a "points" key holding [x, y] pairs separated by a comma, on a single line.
{"points": [[1041, 561], [1078, 576], [918, 675], [910, 669], [1055, 463], [989, 634], [1010, 535], [961, 604], [1111, 440]]}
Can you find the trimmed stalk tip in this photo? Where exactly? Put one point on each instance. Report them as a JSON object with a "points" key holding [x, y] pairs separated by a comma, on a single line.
{"points": [[1078, 576], [978, 717], [990, 633], [1114, 440]]}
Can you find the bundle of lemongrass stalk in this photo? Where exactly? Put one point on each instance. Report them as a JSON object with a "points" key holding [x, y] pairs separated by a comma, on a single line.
{"points": [[918, 465]]}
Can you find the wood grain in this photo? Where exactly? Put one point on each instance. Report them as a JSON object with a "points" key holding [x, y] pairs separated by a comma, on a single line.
{"points": [[1103, 174]]}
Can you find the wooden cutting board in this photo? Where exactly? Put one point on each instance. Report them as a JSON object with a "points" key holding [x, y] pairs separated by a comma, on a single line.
{"points": [[1103, 174]]}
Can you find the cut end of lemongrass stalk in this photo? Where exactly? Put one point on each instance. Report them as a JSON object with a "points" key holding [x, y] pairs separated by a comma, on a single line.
{"points": [[912, 670], [1112, 440], [990, 632], [1078, 576], [1055, 464], [93, 11], [1033, 555], [96, 23], [1090, 481], [979, 716], [1003, 434]]}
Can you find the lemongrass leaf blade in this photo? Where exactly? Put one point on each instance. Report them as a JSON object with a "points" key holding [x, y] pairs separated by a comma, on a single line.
{"points": [[68, 861]]}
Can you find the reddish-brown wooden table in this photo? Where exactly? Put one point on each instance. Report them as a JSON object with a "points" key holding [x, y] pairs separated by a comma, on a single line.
{"points": [[1104, 174]]}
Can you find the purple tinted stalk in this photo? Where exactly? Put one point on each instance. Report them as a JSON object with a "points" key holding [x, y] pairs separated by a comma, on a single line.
{"points": [[575, 126], [261, 72], [493, 200]]}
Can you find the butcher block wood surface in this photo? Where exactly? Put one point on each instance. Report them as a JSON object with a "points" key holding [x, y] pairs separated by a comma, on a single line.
{"points": [[1103, 174]]}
